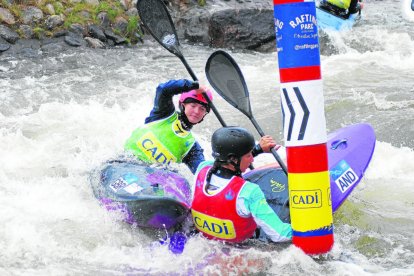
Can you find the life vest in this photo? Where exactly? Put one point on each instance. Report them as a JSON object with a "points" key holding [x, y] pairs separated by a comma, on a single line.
{"points": [[163, 141], [215, 216], [343, 4]]}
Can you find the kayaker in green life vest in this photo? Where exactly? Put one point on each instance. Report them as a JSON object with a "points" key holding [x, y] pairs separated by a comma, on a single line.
{"points": [[342, 8], [166, 135]]}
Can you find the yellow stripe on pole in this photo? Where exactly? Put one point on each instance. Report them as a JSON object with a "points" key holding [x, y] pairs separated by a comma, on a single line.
{"points": [[310, 201]]}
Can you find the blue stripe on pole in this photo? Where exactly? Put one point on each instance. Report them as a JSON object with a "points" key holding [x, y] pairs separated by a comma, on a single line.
{"points": [[314, 233], [297, 35]]}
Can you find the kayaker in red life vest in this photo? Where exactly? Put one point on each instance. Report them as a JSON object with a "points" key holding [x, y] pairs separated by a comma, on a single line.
{"points": [[166, 135], [225, 206]]}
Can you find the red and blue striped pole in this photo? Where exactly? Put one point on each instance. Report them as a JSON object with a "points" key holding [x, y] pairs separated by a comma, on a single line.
{"points": [[304, 125]]}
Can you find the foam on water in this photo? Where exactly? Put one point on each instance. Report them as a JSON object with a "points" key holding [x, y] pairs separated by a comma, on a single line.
{"points": [[52, 223], [63, 116], [406, 10]]}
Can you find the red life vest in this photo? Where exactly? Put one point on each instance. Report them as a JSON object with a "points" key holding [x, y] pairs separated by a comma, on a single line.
{"points": [[215, 216]]}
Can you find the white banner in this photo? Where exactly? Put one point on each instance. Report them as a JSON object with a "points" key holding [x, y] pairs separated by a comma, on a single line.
{"points": [[304, 113]]}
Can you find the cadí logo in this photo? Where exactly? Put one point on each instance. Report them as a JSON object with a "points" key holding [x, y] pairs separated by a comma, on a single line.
{"points": [[229, 195], [169, 39]]}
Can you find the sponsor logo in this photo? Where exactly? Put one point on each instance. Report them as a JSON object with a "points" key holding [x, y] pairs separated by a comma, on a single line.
{"points": [[219, 228], [133, 188], [304, 22], [154, 150], [128, 182], [278, 24], [120, 183], [276, 186], [306, 46], [296, 35], [344, 176], [230, 195], [169, 39], [130, 178], [305, 199]]}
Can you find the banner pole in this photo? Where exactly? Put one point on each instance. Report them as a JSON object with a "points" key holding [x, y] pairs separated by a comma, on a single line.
{"points": [[304, 125]]}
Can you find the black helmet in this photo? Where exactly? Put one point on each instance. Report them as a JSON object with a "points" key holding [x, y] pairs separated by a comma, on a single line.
{"points": [[231, 142]]}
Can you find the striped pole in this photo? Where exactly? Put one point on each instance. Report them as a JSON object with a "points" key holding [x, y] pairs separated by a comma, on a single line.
{"points": [[304, 125]]}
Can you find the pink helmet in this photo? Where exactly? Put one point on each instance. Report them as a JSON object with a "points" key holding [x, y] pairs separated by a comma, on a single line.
{"points": [[192, 96]]}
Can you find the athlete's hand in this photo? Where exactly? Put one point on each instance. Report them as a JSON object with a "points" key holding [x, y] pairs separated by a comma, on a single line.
{"points": [[267, 143], [202, 89]]}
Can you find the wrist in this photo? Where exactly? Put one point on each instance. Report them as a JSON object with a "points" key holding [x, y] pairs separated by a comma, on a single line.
{"points": [[257, 150], [194, 85]]}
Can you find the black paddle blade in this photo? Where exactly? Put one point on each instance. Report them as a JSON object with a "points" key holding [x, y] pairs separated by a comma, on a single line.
{"points": [[156, 18], [225, 77]]}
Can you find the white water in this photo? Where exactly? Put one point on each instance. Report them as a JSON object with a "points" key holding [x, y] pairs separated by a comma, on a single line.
{"points": [[61, 116]]}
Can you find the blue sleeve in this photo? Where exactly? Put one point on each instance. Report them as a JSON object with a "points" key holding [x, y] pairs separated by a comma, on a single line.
{"points": [[163, 102], [255, 203], [194, 157]]}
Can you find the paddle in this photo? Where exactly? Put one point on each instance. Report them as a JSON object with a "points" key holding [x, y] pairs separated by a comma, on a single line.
{"points": [[225, 76], [157, 20]]}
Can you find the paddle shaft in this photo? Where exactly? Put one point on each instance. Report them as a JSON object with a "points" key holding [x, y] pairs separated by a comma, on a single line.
{"points": [[228, 64], [187, 66], [210, 103], [273, 151], [165, 34]]}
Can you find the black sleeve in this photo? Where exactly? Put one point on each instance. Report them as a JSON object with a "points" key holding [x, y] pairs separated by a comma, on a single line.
{"points": [[194, 157], [257, 150]]}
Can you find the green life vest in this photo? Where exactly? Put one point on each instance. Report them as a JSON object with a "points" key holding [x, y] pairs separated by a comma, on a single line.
{"points": [[163, 141], [343, 4]]}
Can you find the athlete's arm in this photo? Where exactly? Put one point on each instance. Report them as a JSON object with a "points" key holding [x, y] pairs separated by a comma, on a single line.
{"points": [[163, 102], [194, 157], [252, 201]]}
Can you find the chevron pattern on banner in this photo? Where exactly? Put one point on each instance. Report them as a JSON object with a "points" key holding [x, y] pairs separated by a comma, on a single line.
{"points": [[305, 113], [301, 125]]}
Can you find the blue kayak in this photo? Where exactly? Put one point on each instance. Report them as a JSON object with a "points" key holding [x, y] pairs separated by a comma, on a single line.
{"points": [[329, 21]]}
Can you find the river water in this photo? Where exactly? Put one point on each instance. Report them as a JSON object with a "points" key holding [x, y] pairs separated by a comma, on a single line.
{"points": [[62, 115]]}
